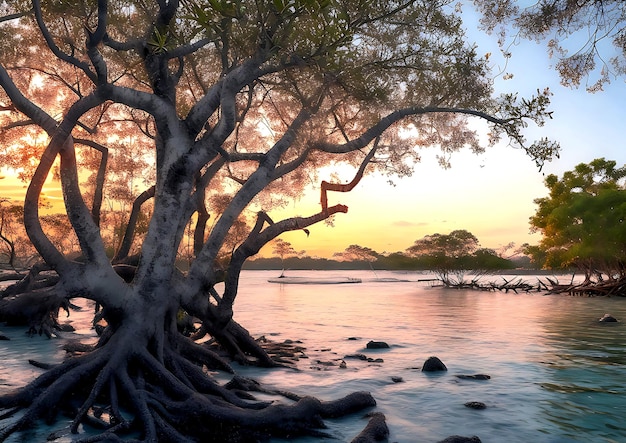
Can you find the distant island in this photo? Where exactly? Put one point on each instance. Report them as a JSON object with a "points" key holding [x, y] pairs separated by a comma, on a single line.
{"points": [[393, 262]]}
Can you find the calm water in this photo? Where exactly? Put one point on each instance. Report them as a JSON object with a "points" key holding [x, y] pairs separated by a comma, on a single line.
{"points": [[556, 373]]}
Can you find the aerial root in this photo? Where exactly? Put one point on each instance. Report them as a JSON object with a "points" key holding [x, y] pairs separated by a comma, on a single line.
{"points": [[115, 408], [242, 385], [104, 376], [140, 405], [201, 383], [46, 392], [172, 400], [168, 431], [194, 352]]}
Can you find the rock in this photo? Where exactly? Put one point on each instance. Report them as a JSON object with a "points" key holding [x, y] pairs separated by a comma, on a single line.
{"points": [[475, 405], [433, 364], [460, 439], [4, 337], [75, 346], [357, 356], [397, 379], [608, 318], [375, 360], [376, 430], [325, 363], [354, 338], [377, 345], [473, 377], [66, 327]]}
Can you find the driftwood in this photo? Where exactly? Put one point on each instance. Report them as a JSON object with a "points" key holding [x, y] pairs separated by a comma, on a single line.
{"points": [[611, 287], [602, 288], [515, 285]]}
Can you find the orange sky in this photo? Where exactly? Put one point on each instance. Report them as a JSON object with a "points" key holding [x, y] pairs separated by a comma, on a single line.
{"points": [[490, 195]]}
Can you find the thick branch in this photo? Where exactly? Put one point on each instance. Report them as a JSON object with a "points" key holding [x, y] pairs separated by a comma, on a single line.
{"points": [[199, 197], [127, 241], [258, 180], [79, 215], [31, 218], [94, 39], [253, 245], [349, 186], [100, 177], [385, 122]]}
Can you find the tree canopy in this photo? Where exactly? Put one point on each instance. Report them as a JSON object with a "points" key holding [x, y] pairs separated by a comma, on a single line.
{"points": [[455, 253], [582, 220], [587, 38], [456, 244], [197, 118]]}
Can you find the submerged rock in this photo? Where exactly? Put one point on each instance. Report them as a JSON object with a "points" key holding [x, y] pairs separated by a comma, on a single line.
{"points": [[433, 364], [473, 377], [475, 405], [460, 439], [377, 345], [608, 318], [356, 356]]}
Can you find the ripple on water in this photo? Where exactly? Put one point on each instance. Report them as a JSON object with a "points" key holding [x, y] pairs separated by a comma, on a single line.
{"points": [[556, 375]]}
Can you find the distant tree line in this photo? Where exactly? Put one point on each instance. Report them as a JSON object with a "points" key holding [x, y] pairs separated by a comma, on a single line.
{"points": [[443, 253]]}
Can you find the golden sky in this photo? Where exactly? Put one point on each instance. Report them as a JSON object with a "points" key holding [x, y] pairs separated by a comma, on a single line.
{"points": [[490, 195]]}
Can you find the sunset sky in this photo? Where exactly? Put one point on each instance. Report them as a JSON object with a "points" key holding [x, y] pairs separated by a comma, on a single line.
{"points": [[490, 195]]}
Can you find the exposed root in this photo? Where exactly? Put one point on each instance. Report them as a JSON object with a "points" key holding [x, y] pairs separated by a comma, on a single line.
{"points": [[42, 398], [121, 389], [237, 342], [36, 309]]}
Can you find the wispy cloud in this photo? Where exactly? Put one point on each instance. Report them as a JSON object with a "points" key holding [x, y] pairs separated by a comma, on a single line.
{"points": [[408, 224]]}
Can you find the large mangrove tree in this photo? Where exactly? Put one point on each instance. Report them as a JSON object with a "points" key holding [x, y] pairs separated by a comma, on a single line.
{"points": [[232, 105]]}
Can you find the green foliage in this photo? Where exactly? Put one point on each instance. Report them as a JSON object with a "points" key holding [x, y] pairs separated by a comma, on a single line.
{"points": [[582, 219], [458, 251], [358, 253], [457, 244]]}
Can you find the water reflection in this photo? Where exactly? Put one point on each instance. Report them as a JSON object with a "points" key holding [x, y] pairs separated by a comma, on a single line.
{"points": [[586, 363], [556, 373]]}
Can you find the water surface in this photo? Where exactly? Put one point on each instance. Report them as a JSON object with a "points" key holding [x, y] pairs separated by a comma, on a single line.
{"points": [[556, 373]]}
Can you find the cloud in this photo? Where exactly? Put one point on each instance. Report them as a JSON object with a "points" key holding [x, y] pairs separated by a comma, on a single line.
{"points": [[408, 224]]}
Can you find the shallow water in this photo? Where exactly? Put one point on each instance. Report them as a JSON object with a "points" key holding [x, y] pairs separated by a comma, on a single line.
{"points": [[556, 373]]}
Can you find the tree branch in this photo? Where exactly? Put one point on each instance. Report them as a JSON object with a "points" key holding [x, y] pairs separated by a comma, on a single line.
{"points": [[127, 241], [100, 177], [350, 186], [55, 49]]}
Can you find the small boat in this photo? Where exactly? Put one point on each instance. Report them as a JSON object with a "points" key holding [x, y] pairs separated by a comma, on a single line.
{"points": [[314, 280]]}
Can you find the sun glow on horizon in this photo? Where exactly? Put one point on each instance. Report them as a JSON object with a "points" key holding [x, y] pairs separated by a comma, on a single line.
{"points": [[474, 194]]}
